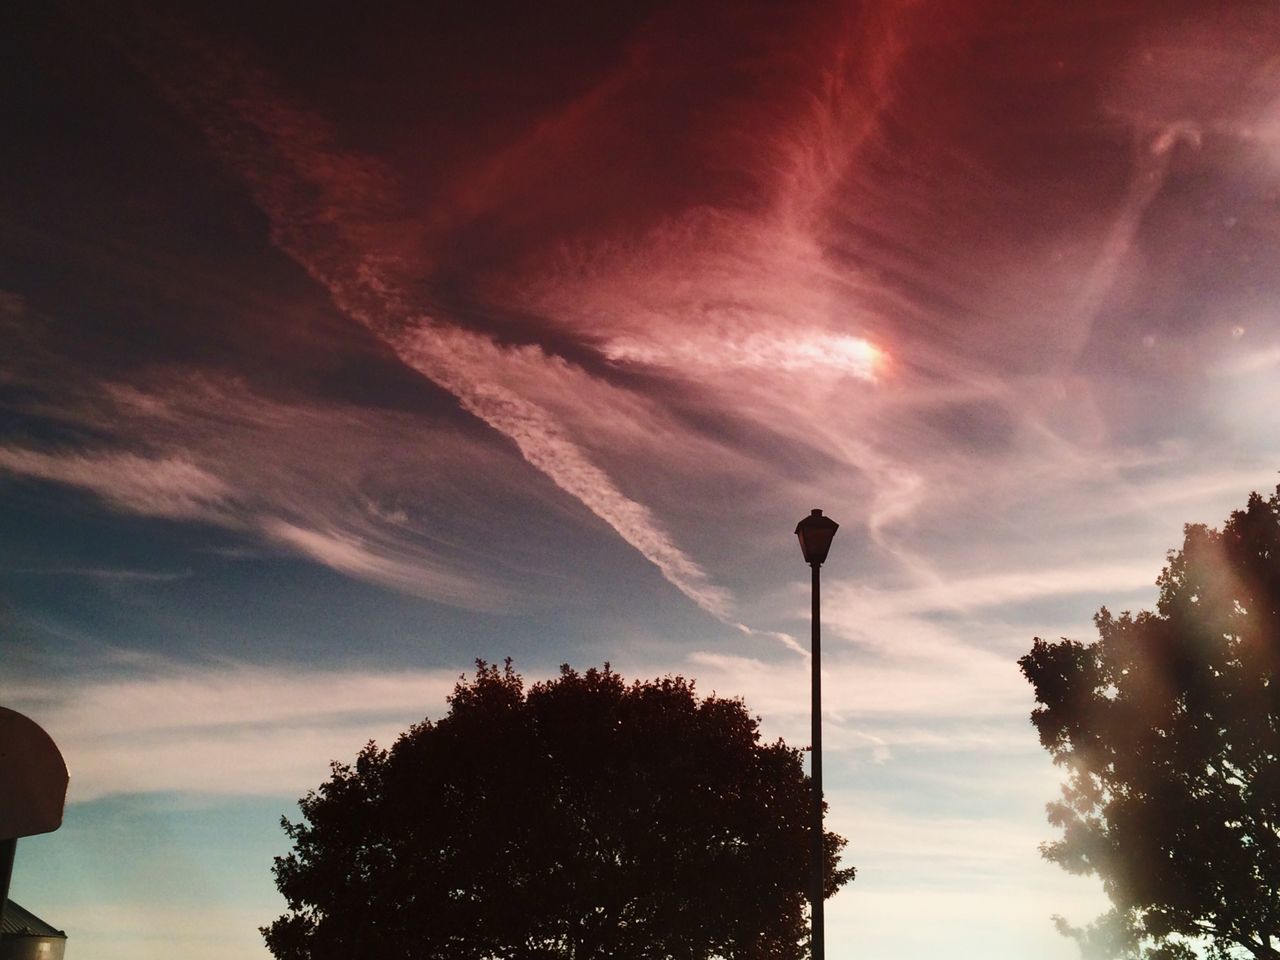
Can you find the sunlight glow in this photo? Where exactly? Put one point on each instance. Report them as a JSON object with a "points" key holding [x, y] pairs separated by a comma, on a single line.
{"points": [[814, 351]]}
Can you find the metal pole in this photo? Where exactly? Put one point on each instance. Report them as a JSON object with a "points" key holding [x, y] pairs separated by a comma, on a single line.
{"points": [[817, 948], [7, 848]]}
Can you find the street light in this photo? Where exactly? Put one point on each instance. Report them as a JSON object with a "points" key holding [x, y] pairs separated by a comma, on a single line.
{"points": [[816, 533]]}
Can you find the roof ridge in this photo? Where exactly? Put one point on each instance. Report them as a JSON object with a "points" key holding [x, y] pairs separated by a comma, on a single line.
{"points": [[21, 922]]}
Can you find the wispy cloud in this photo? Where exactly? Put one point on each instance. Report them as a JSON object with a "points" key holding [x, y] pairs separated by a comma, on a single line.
{"points": [[153, 725], [230, 729], [111, 574], [969, 687], [165, 486], [214, 451], [323, 202], [853, 605], [349, 554], [756, 351]]}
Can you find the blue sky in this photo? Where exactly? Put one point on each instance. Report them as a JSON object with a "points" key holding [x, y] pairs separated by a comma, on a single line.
{"points": [[348, 347]]}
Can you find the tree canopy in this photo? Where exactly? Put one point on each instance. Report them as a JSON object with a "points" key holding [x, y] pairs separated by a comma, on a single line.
{"points": [[1169, 728], [582, 818]]}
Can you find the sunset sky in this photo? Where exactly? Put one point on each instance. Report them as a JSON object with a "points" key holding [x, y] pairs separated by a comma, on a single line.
{"points": [[343, 346]]}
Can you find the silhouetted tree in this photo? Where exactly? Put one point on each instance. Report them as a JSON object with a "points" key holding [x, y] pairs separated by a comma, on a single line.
{"points": [[1169, 727], [586, 818]]}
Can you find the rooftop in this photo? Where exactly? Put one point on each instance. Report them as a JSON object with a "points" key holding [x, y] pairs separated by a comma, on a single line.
{"points": [[20, 922]]}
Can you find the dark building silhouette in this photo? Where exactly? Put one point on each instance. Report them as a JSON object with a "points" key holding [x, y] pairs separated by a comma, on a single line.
{"points": [[24, 936]]}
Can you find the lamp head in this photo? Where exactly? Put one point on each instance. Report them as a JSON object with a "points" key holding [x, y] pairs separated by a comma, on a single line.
{"points": [[815, 533]]}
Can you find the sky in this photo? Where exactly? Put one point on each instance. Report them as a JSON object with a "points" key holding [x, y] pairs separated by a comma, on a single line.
{"points": [[345, 346]]}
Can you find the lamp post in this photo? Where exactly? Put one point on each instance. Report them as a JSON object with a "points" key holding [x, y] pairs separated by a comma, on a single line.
{"points": [[815, 533]]}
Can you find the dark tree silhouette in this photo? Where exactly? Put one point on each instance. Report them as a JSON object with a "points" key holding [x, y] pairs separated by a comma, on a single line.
{"points": [[585, 818], [1169, 728]]}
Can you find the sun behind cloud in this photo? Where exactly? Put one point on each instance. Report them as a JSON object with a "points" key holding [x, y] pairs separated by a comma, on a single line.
{"points": [[787, 352]]}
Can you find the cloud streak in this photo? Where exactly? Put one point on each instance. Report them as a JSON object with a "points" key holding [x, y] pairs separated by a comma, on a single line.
{"points": [[166, 486], [191, 447], [286, 156], [230, 729]]}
